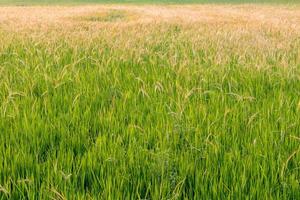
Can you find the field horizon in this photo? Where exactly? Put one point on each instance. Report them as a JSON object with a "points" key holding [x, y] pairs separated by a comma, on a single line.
{"points": [[150, 101], [141, 2]]}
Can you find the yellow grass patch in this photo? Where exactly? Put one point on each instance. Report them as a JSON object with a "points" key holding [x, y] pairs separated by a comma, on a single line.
{"points": [[226, 16], [253, 32]]}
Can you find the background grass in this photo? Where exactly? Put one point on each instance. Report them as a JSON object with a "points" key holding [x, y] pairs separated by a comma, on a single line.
{"points": [[53, 2]]}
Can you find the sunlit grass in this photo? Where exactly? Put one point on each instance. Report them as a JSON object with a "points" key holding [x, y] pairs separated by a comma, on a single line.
{"points": [[73, 2]]}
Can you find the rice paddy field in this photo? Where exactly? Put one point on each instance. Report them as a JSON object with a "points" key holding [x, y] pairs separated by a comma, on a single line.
{"points": [[128, 101], [140, 2]]}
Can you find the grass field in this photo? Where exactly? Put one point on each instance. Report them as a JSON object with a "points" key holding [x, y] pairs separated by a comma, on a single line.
{"points": [[72, 2], [150, 102]]}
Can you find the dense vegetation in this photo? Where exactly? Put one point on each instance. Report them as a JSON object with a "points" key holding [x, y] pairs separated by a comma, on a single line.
{"points": [[41, 2], [159, 111]]}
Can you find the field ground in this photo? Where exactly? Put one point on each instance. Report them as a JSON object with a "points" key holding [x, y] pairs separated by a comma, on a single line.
{"points": [[150, 102]]}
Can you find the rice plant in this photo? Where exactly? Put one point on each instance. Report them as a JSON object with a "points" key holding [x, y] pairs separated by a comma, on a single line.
{"points": [[177, 102]]}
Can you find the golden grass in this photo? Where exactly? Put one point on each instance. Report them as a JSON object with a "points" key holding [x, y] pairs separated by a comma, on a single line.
{"points": [[247, 31], [242, 16]]}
